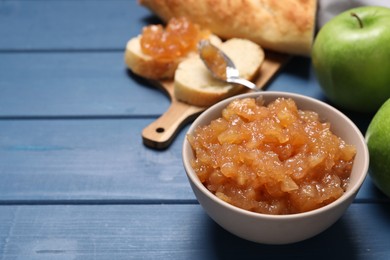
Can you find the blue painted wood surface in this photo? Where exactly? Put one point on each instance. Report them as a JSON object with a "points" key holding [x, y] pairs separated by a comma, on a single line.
{"points": [[76, 182], [174, 232], [67, 25]]}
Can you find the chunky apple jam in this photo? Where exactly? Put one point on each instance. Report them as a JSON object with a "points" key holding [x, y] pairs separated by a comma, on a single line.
{"points": [[177, 39], [272, 159], [214, 60]]}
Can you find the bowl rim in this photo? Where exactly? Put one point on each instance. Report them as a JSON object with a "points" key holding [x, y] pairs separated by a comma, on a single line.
{"points": [[352, 191]]}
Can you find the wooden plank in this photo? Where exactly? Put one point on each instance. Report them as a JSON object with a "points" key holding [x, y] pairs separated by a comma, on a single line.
{"points": [[74, 84], [174, 232], [70, 25], [369, 193], [93, 159], [87, 160]]}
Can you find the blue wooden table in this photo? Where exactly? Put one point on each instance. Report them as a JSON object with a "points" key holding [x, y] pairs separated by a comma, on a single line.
{"points": [[76, 181]]}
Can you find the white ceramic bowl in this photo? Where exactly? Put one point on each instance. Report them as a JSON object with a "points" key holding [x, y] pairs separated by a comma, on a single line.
{"points": [[281, 229]]}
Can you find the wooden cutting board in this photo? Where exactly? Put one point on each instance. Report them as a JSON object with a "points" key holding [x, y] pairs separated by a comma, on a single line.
{"points": [[160, 133]]}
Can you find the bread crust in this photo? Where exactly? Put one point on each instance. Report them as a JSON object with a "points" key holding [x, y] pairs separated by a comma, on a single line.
{"points": [[281, 25]]}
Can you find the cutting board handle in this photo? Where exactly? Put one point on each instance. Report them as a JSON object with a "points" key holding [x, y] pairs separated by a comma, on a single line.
{"points": [[160, 133]]}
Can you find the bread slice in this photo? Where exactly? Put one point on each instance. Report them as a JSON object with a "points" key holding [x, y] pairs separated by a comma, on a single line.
{"points": [[285, 26], [194, 84], [147, 67]]}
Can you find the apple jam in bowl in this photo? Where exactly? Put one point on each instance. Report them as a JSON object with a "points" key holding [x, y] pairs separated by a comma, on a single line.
{"points": [[274, 167]]}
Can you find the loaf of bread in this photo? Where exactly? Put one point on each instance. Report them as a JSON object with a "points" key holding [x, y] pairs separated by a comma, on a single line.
{"points": [[285, 26], [148, 67], [194, 84]]}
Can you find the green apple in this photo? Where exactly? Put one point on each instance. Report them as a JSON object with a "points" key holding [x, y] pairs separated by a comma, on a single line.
{"points": [[351, 58], [378, 143]]}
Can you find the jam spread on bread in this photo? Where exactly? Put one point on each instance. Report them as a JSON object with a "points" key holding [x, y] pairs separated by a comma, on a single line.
{"points": [[177, 39]]}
